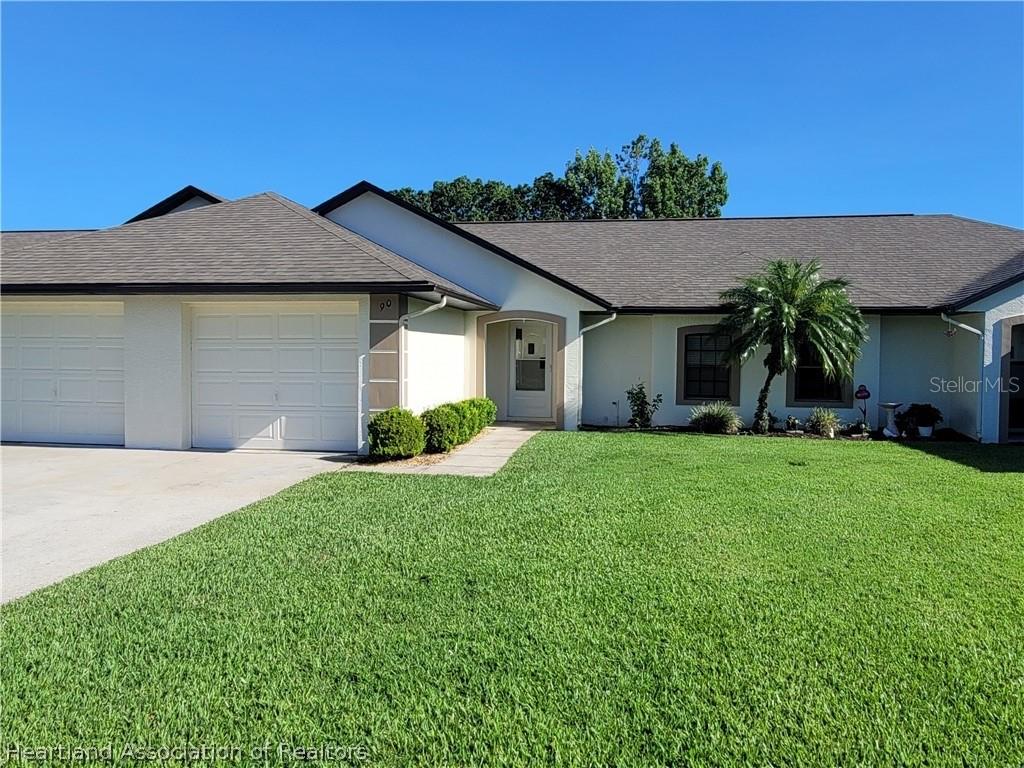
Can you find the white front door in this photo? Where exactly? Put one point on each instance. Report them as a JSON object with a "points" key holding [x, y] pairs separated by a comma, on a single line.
{"points": [[529, 386], [275, 375], [63, 372]]}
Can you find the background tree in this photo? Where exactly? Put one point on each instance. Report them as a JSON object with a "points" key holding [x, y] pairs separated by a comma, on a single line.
{"points": [[641, 181], [786, 308]]}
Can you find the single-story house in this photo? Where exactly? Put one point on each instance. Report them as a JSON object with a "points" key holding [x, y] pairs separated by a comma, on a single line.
{"points": [[259, 323]]}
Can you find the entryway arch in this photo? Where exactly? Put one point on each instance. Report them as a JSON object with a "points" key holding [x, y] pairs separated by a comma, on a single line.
{"points": [[489, 342]]}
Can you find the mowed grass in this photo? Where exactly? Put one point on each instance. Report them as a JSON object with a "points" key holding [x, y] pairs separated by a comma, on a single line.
{"points": [[607, 599]]}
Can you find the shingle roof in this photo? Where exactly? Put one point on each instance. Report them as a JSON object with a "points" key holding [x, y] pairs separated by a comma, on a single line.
{"points": [[893, 262], [264, 239], [15, 239]]}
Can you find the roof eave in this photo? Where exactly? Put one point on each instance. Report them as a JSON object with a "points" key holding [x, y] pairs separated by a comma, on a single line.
{"points": [[108, 289]]}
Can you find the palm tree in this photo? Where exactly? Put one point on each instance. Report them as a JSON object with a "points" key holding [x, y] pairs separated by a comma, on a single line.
{"points": [[787, 308]]}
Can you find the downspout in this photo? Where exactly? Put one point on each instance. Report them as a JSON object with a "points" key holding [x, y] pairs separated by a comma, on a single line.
{"points": [[403, 326], [598, 324], [979, 426]]}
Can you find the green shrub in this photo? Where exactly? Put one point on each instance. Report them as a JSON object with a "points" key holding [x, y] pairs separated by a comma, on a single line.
{"points": [[467, 420], [396, 434], [443, 428], [716, 418], [486, 410], [823, 421], [641, 407]]}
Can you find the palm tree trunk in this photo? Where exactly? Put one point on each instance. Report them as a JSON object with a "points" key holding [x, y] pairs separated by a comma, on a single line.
{"points": [[760, 424]]}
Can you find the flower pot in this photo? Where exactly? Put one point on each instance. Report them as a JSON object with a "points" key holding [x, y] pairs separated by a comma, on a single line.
{"points": [[925, 431]]}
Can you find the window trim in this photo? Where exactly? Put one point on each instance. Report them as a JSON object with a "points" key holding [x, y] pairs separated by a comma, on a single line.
{"points": [[734, 368], [845, 400]]}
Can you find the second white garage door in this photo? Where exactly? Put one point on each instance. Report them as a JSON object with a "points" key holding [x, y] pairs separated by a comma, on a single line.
{"points": [[275, 375]]}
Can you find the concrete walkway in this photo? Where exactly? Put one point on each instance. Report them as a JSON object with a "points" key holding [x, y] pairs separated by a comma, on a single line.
{"points": [[481, 457]]}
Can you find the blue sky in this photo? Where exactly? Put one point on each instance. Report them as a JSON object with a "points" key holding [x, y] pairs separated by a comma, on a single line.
{"points": [[813, 109]]}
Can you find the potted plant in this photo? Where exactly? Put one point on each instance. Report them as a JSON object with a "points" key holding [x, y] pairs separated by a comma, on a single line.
{"points": [[924, 416]]}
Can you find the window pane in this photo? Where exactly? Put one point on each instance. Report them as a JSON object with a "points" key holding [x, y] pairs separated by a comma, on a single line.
{"points": [[530, 375], [706, 375]]}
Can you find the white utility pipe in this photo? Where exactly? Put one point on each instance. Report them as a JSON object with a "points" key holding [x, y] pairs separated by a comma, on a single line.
{"points": [[981, 359], [579, 400], [403, 326]]}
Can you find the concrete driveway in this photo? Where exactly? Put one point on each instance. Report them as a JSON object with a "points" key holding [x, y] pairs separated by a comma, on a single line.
{"points": [[66, 509]]}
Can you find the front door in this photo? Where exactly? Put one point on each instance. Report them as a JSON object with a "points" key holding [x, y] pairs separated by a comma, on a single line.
{"points": [[529, 387]]}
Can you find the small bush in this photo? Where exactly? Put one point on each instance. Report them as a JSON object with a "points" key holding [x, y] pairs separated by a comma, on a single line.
{"points": [[443, 428], [462, 421], [792, 423], [823, 421], [467, 420], [641, 408], [717, 418], [485, 409], [396, 434]]}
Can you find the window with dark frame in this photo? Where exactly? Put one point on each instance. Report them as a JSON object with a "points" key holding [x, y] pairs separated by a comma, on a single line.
{"points": [[810, 384], [708, 373]]}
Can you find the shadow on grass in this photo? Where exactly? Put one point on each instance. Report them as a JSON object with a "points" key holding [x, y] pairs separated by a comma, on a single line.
{"points": [[985, 458]]}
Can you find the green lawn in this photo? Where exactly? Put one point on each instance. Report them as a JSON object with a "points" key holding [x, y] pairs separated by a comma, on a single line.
{"points": [[607, 599]]}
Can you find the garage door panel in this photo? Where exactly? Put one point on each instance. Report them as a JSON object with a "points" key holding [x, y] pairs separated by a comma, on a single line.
{"points": [[256, 426], [255, 326], [75, 390], [297, 360], [38, 389], [254, 359], [213, 327], [214, 430], [338, 360], [39, 420], [110, 392], [293, 394], [109, 326], [337, 394], [255, 393], [337, 326], [297, 326], [33, 326], [36, 358], [8, 356], [217, 359], [215, 393], [76, 358], [109, 358], [293, 390], [74, 326]]}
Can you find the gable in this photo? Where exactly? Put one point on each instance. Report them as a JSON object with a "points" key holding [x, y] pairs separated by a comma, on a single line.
{"points": [[457, 257], [185, 199]]}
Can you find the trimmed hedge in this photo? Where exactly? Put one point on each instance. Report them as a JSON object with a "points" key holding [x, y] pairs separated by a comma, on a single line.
{"points": [[396, 434], [443, 426], [452, 424]]}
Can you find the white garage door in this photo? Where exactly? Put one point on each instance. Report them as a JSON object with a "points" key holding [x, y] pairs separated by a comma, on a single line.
{"points": [[276, 375], [63, 372]]}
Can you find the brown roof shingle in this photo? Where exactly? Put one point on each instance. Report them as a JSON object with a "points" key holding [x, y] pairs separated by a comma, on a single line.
{"points": [[893, 262], [258, 240]]}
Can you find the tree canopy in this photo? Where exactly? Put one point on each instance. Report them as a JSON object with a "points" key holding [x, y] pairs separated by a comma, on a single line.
{"points": [[642, 181]]}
